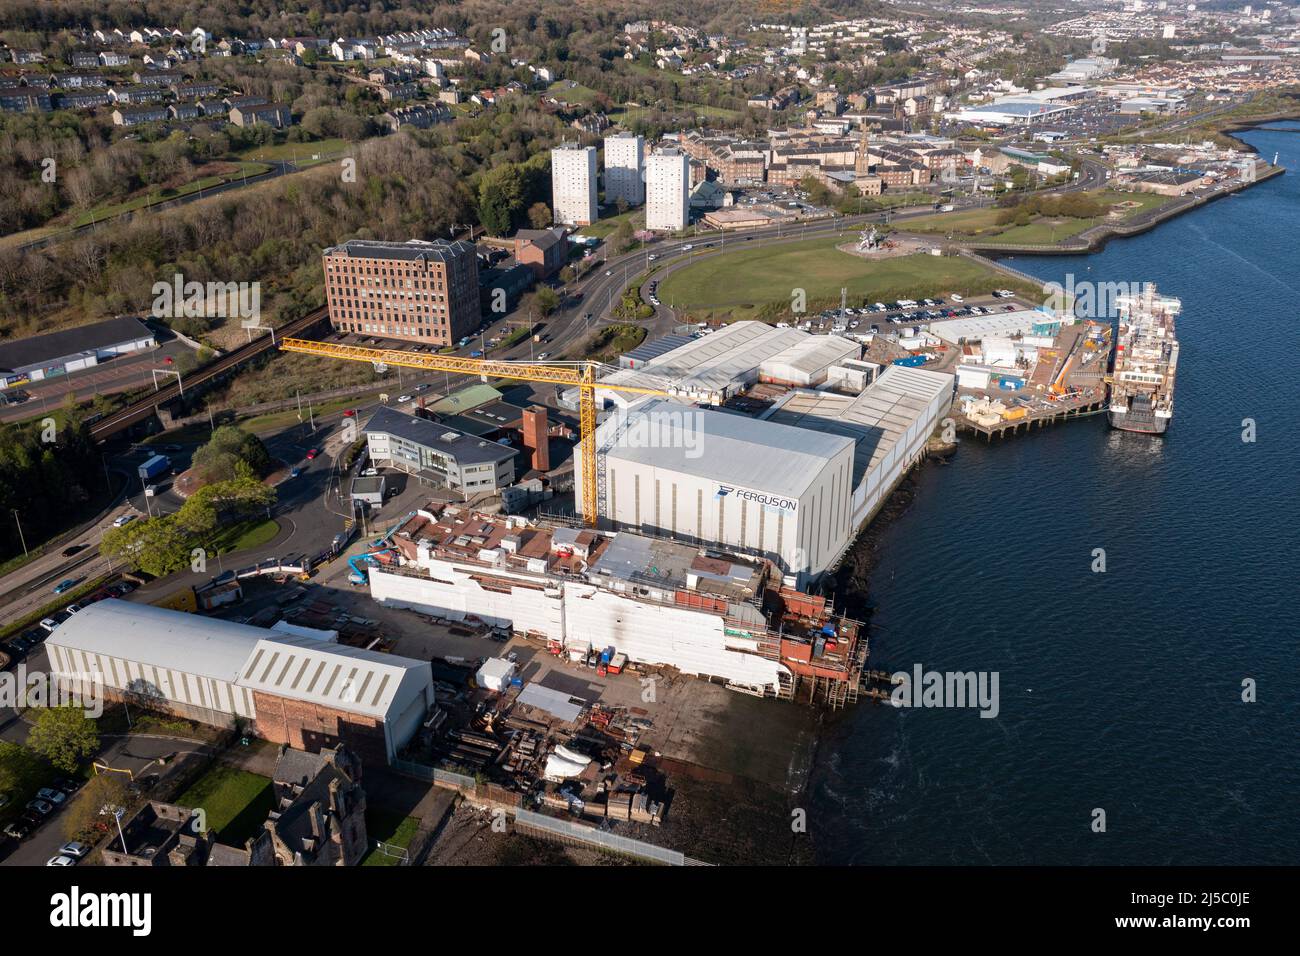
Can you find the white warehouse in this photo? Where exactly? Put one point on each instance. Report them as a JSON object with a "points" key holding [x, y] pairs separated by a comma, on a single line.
{"points": [[292, 688], [889, 424], [717, 478]]}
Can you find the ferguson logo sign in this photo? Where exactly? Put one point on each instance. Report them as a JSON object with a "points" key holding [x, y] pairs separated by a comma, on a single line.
{"points": [[774, 502]]}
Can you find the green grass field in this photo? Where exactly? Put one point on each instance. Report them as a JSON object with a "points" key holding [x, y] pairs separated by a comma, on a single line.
{"points": [[383, 826], [235, 802], [762, 280], [245, 534], [605, 227], [302, 153], [982, 223]]}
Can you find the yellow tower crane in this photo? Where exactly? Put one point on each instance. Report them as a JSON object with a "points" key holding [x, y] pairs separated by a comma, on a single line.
{"points": [[581, 374]]}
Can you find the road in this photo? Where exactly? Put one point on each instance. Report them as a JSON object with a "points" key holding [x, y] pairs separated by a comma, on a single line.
{"points": [[278, 168], [125, 374]]}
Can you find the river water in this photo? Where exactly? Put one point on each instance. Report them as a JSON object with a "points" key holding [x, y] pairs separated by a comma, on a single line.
{"points": [[1118, 691]]}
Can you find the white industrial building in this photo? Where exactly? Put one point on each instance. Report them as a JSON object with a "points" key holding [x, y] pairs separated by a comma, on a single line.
{"points": [[714, 367], [53, 354], [717, 478], [291, 687], [573, 184], [1003, 324], [807, 363], [625, 168], [889, 425], [668, 190], [703, 611]]}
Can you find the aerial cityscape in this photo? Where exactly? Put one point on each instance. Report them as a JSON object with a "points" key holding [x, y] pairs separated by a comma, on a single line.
{"points": [[481, 434]]}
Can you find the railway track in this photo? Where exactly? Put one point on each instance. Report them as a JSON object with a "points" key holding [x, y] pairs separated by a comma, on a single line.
{"points": [[142, 408]]}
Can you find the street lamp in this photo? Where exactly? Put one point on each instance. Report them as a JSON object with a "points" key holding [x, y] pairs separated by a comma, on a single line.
{"points": [[21, 538], [116, 813]]}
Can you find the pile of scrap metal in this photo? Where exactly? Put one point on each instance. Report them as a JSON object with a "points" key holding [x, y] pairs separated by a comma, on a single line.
{"points": [[622, 725]]}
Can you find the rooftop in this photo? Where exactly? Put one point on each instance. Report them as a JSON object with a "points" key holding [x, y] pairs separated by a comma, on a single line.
{"points": [[874, 421], [466, 449], [413, 250], [720, 446], [84, 338]]}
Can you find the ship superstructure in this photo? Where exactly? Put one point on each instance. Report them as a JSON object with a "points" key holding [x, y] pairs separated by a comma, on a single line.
{"points": [[1146, 362], [729, 617]]}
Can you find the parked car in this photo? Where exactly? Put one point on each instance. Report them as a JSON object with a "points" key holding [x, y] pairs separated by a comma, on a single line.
{"points": [[73, 608], [52, 796], [312, 453], [74, 849], [295, 473], [67, 784], [123, 520], [19, 829], [61, 860], [42, 807], [403, 399], [67, 584]]}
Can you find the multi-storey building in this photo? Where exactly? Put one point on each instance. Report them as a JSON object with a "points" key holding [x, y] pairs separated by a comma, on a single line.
{"points": [[668, 190], [573, 184], [415, 291], [624, 168]]}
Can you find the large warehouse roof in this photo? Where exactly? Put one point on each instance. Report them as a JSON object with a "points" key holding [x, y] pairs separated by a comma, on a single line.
{"points": [[874, 420], [812, 355], [713, 362], [719, 446], [333, 675], [21, 353], [293, 666], [997, 324], [153, 635]]}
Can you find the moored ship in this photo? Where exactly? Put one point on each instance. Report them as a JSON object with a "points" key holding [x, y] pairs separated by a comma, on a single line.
{"points": [[1146, 362]]}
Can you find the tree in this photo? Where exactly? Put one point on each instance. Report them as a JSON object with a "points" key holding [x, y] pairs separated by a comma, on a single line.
{"points": [[218, 460], [539, 215], [500, 197], [84, 813], [18, 767], [548, 300], [64, 736]]}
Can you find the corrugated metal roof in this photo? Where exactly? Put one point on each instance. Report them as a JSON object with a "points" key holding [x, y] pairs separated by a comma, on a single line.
{"points": [[153, 635], [715, 361], [334, 675], [293, 666], [874, 420], [812, 354], [719, 446]]}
